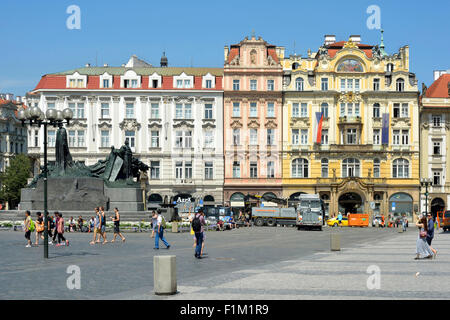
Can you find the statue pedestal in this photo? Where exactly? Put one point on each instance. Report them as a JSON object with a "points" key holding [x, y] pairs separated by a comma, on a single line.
{"points": [[125, 199]]}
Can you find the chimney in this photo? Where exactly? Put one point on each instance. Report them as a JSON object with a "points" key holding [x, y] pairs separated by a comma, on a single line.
{"points": [[355, 38], [88, 65], [329, 39], [226, 50]]}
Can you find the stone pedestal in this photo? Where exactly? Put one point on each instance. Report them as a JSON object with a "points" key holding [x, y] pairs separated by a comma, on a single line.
{"points": [[125, 199], [164, 275]]}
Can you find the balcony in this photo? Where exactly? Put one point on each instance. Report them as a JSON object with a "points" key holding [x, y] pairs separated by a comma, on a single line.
{"points": [[350, 120]]}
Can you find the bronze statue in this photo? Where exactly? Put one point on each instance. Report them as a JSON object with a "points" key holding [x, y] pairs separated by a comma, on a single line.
{"points": [[62, 153]]}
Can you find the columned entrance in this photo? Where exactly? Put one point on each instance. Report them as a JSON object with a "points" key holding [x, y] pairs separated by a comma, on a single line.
{"points": [[351, 202]]}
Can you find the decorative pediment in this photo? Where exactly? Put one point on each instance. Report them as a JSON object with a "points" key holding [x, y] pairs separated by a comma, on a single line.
{"points": [[105, 125], [270, 124], [300, 122], [143, 99], [254, 124], [183, 99], [350, 96], [154, 124], [183, 123], [209, 123], [77, 124], [129, 125], [401, 122], [236, 124]]}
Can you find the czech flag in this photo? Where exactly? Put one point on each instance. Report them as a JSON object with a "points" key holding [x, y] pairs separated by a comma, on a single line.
{"points": [[319, 116]]}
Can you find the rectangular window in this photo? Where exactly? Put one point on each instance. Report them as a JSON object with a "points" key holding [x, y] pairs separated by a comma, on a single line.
{"points": [[154, 169], [376, 110], [253, 85], [188, 111], [325, 136], [253, 137], [208, 111], [51, 105], [188, 170], [270, 137], [357, 85], [376, 168], [350, 84], [72, 83], [396, 110], [179, 139], [324, 110], [437, 148], [36, 138], [80, 83], [236, 137], [188, 139], [295, 137], [436, 178], [105, 139], [105, 83], [236, 85], [351, 136], [134, 83], [350, 109], [129, 112], [295, 110], [51, 138], [208, 84], [304, 137], [253, 110], [376, 84], [178, 111], [405, 110], [437, 121], [304, 110], [342, 112], [270, 85], [236, 169], [342, 84], [405, 137], [155, 139], [209, 171], [253, 170], [270, 110], [209, 139], [179, 170], [104, 110], [72, 138], [396, 137], [80, 138], [187, 83], [236, 109], [130, 137], [324, 84], [324, 169], [376, 137], [270, 169], [154, 112], [179, 83]]}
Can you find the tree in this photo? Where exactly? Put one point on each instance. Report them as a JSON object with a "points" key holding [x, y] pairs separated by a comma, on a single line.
{"points": [[15, 178]]}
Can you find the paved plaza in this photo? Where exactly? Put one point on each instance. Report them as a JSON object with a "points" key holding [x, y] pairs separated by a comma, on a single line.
{"points": [[247, 263]]}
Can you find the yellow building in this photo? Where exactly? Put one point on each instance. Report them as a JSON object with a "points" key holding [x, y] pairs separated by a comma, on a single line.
{"points": [[365, 158]]}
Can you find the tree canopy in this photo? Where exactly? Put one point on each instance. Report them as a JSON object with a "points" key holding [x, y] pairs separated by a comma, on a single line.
{"points": [[15, 178]]}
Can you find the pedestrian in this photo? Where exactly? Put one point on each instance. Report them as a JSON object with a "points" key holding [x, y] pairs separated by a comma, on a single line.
{"points": [[39, 227], [91, 225], [197, 225], [116, 221], [80, 223], [159, 233], [28, 227], [404, 222], [430, 233], [154, 222], [50, 226], [55, 232], [422, 247], [97, 227], [340, 219], [103, 224], [60, 229]]}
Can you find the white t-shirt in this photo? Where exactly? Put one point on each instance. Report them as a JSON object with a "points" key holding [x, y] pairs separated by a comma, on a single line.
{"points": [[159, 220]]}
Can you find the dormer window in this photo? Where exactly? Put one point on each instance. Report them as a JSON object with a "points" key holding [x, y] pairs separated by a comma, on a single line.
{"points": [[106, 80], [183, 81], [155, 81], [76, 81], [209, 81], [131, 80]]}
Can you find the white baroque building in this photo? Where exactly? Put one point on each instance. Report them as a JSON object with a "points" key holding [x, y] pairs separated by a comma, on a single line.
{"points": [[172, 118]]}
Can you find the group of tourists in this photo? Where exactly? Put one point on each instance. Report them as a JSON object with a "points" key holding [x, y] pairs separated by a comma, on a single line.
{"points": [[426, 235], [98, 225], [55, 228]]}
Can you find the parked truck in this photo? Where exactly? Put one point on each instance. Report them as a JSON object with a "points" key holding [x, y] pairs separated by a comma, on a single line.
{"points": [[272, 216], [310, 212]]}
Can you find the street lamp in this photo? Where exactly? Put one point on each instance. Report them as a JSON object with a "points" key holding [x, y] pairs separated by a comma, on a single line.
{"points": [[55, 118], [425, 182]]}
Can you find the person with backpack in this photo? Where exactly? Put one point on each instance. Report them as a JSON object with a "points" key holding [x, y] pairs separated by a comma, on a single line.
{"points": [[197, 225], [39, 228], [159, 232], [28, 226]]}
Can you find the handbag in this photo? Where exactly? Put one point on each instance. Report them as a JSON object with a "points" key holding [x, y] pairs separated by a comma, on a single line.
{"points": [[423, 234]]}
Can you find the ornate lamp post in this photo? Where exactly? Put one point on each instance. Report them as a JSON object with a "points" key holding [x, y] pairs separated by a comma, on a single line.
{"points": [[425, 182], [55, 118]]}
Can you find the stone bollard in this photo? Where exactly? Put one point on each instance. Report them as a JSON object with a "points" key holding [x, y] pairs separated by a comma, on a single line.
{"points": [[335, 242], [174, 227], [400, 229], [165, 275]]}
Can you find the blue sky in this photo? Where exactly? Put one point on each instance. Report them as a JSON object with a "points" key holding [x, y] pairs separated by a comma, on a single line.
{"points": [[36, 41]]}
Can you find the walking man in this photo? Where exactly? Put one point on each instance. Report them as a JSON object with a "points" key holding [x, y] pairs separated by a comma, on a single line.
{"points": [[103, 224], [116, 221], [430, 233], [159, 233], [197, 225], [340, 219], [27, 228]]}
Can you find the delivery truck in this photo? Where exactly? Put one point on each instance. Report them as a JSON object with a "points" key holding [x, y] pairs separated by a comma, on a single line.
{"points": [[310, 212]]}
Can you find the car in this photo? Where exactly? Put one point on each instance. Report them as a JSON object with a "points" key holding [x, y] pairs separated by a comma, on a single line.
{"points": [[334, 222]]}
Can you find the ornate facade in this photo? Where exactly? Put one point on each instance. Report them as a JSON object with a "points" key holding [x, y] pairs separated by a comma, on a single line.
{"points": [[435, 135], [252, 119], [350, 128]]}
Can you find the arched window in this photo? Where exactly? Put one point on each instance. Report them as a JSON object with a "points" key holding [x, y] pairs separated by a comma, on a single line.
{"points": [[156, 198], [376, 168], [400, 85], [300, 168], [237, 196], [350, 167], [324, 109], [299, 84], [295, 66], [389, 67], [324, 163], [400, 168]]}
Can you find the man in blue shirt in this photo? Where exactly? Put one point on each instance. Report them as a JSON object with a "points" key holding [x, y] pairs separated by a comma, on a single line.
{"points": [[340, 219], [430, 233]]}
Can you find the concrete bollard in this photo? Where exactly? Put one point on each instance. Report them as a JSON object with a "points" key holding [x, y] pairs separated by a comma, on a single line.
{"points": [[174, 227], [165, 275], [400, 229], [335, 242]]}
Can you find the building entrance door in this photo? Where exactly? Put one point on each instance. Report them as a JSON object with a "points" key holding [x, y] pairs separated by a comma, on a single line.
{"points": [[351, 202]]}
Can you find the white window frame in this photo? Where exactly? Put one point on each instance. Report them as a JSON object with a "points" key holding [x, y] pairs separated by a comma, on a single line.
{"points": [[184, 78]]}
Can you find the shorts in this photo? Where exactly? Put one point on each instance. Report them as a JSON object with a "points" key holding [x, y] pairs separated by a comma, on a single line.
{"points": [[103, 229], [27, 235], [116, 229]]}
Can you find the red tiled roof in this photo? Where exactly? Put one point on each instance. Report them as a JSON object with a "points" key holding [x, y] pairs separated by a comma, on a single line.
{"points": [[233, 53], [439, 88], [333, 48]]}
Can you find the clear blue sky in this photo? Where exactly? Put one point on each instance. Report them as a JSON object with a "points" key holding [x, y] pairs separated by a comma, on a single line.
{"points": [[36, 41]]}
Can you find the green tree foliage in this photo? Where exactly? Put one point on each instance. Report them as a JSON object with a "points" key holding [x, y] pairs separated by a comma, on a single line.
{"points": [[14, 178]]}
